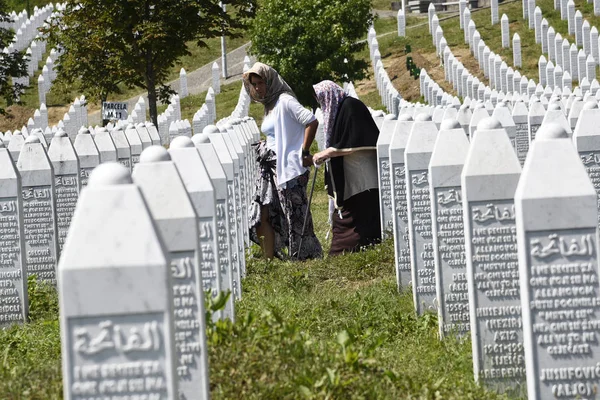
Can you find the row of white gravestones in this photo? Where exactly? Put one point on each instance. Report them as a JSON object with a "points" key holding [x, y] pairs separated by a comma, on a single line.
{"points": [[68, 180], [491, 257]]}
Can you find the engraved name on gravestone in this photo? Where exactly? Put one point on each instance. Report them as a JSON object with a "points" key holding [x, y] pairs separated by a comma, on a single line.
{"points": [[39, 212], [400, 211], [123, 148], [201, 191], [445, 167], [383, 168], [519, 116], [218, 178], [14, 304], [117, 331], [587, 142], [66, 181], [88, 154], [535, 117], [175, 218], [489, 181], [416, 158], [216, 139], [557, 231]]}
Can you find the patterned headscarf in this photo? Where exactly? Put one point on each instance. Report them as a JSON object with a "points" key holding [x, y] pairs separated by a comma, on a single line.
{"points": [[329, 96], [274, 82]]}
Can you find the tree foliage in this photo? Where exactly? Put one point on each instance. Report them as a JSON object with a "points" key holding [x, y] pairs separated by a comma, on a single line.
{"points": [[12, 65], [307, 41], [136, 42]]}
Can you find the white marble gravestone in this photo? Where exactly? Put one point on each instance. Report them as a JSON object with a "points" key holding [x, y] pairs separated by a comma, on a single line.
{"points": [[505, 31], [573, 114], [416, 157], [106, 146], [13, 274], [218, 178], [503, 114], [489, 181], [535, 117], [144, 135], [479, 113], [530, 13], [39, 210], [15, 145], [555, 115], [67, 182], [173, 213], [237, 200], [578, 28], [397, 148], [386, 133], [586, 139], [87, 152], [520, 116], [202, 193], [115, 295], [135, 144], [153, 132], [445, 167], [557, 236], [122, 146], [517, 62], [542, 63], [401, 20]]}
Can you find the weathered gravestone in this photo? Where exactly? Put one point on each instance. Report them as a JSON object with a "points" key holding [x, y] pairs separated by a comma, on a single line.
{"points": [[535, 117], [219, 180], [175, 219], [400, 211], [416, 159], [122, 146], [88, 154], [39, 210], [67, 182], [135, 144], [489, 181], [383, 169], [586, 138], [445, 167], [216, 139], [202, 193], [14, 303], [557, 233], [115, 296]]}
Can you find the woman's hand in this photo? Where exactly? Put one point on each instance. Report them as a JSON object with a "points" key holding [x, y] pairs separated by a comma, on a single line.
{"points": [[322, 156]]}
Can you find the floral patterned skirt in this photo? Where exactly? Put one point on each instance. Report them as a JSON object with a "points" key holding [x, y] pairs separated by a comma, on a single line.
{"points": [[287, 209]]}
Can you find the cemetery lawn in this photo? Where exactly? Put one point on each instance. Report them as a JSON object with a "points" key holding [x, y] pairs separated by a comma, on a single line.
{"points": [[331, 328]]}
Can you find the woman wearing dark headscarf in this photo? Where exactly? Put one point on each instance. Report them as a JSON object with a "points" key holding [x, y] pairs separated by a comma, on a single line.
{"points": [[351, 175], [280, 203]]}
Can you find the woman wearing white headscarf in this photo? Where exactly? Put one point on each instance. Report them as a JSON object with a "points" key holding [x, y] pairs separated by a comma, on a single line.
{"points": [[280, 203], [351, 175]]}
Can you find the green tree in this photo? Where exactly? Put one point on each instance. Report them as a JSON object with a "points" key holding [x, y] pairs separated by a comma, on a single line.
{"points": [[12, 65], [307, 41], [106, 43]]}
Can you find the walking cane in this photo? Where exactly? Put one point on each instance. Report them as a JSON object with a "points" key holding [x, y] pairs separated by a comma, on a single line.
{"points": [[312, 188]]}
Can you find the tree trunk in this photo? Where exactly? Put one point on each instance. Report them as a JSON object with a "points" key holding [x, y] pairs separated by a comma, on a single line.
{"points": [[151, 87]]}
